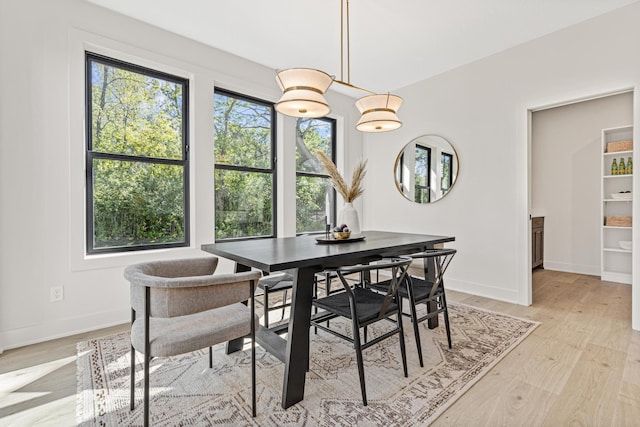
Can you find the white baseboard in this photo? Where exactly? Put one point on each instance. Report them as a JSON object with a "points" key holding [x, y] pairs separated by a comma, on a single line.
{"points": [[591, 270], [71, 326], [63, 328], [482, 290], [617, 277]]}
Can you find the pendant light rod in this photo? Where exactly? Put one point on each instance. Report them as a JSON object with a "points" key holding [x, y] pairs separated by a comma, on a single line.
{"points": [[303, 90], [341, 40], [348, 46], [342, 28], [353, 86]]}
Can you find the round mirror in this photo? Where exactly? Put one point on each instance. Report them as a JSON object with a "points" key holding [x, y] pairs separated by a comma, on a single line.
{"points": [[426, 169]]}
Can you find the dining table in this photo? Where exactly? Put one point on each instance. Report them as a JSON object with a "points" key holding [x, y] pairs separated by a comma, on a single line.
{"points": [[303, 257]]}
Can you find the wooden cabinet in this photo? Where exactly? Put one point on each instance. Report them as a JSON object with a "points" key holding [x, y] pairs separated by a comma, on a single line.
{"points": [[537, 241], [617, 196]]}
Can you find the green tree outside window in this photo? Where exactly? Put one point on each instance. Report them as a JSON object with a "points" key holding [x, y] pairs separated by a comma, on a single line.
{"points": [[244, 166], [315, 197], [137, 164]]}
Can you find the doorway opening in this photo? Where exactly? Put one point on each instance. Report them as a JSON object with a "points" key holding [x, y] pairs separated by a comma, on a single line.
{"points": [[566, 183]]}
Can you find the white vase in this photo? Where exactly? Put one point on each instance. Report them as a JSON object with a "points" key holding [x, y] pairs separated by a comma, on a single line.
{"points": [[349, 215]]}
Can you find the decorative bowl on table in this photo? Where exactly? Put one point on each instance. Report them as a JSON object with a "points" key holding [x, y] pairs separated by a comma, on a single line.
{"points": [[341, 235], [625, 244]]}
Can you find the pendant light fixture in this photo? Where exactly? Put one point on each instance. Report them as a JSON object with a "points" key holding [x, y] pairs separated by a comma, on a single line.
{"points": [[304, 88]]}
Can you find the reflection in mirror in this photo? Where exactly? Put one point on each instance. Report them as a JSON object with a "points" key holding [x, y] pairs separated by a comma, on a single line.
{"points": [[426, 169]]}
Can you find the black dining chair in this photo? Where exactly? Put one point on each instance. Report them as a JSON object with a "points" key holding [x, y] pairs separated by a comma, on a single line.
{"points": [[364, 307], [428, 290], [283, 283], [325, 278], [274, 283]]}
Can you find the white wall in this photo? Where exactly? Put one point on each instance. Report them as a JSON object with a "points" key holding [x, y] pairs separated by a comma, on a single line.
{"points": [[566, 165], [482, 109], [41, 130]]}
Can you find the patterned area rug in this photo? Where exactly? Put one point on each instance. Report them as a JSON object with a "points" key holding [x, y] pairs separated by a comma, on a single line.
{"points": [[185, 392]]}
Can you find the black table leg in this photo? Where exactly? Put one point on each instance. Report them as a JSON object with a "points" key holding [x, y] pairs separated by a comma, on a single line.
{"points": [[430, 275], [297, 351], [238, 343]]}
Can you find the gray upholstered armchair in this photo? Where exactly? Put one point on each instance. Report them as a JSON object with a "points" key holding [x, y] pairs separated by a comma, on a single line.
{"points": [[179, 306]]}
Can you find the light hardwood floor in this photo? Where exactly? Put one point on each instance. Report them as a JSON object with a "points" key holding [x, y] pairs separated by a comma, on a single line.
{"points": [[580, 367]]}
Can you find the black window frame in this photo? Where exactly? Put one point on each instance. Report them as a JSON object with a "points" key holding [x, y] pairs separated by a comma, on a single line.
{"points": [[450, 177], [273, 162], [320, 175], [427, 185], [90, 155]]}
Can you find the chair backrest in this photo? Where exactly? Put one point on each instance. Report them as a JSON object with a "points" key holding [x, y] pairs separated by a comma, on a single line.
{"points": [[186, 286], [441, 257], [397, 265], [174, 268]]}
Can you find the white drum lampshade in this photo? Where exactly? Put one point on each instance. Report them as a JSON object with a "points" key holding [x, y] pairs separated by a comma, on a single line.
{"points": [[303, 90], [378, 113]]}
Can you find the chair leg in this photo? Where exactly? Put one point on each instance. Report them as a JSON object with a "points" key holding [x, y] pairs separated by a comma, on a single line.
{"points": [[327, 287], [133, 368], [416, 327], [358, 348], [315, 309], [132, 386], [403, 349], [253, 352], [210, 357], [284, 301], [146, 390], [266, 307], [147, 350], [446, 318], [253, 376]]}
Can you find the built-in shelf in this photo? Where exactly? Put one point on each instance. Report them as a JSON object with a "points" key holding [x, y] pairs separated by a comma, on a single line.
{"points": [[619, 153], [628, 251], [626, 175], [616, 263]]}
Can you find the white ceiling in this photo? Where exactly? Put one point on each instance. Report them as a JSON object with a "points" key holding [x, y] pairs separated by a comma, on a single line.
{"points": [[393, 43]]}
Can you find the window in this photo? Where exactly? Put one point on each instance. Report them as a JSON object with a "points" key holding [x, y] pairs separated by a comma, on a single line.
{"points": [[315, 197], [422, 174], [245, 178], [446, 175], [137, 168]]}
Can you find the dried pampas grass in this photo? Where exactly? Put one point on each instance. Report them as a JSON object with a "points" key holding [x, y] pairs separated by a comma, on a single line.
{"points": [[348, 193]]}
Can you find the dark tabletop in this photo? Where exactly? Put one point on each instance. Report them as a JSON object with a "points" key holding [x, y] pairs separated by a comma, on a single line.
{"points": [[304, 251]]}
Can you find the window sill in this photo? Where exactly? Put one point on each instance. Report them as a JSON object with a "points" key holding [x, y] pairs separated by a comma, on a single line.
{"points": [[123, 259]]}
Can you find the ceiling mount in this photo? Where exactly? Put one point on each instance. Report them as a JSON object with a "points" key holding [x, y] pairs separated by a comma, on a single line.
{"points": [[304, 88]]}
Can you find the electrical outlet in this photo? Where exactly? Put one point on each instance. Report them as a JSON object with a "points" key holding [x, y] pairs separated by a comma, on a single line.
{"points": [[56, 293]]}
